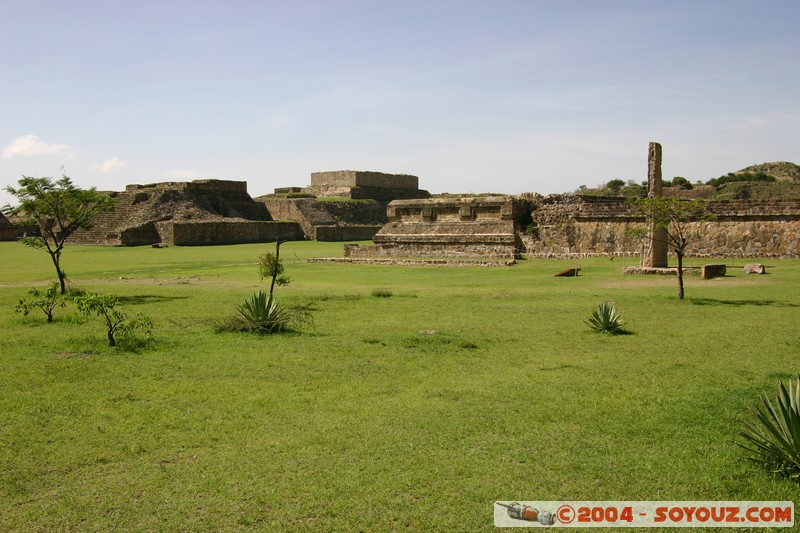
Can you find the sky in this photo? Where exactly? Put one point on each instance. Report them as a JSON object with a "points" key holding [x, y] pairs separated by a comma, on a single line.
{"points": [[504, 96]]}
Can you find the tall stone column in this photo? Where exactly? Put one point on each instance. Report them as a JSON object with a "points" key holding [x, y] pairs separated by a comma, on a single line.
{"points": [[655, 252]]}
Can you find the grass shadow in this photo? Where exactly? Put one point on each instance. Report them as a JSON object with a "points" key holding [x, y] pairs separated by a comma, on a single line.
{"points": [[740, 303], [147, 299]]}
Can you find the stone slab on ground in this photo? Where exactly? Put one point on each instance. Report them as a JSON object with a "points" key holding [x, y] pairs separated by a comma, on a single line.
{"points": [[712, 271]]}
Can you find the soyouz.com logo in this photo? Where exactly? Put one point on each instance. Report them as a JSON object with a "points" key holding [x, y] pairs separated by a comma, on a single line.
{"points": [[643, 514]]}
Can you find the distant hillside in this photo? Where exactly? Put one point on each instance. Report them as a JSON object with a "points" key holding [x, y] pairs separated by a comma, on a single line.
{"points": [[776, 180], [780, 170]]}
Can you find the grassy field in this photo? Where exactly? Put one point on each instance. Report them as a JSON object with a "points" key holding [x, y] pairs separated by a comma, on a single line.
{"points": [[414, 412]]}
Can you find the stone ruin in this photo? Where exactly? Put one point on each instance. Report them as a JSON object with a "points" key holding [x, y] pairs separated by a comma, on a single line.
{"points": [[204, 212], [571, 226], [200, 212], [354, 220], [445, 229], [351, 206], [358, 184], [494, 228]]}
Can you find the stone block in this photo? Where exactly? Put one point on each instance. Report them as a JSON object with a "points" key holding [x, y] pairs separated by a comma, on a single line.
{"points": [[712, 271]]}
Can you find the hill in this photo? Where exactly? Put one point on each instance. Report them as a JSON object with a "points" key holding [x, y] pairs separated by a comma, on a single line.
{"points": [[780, 170]]}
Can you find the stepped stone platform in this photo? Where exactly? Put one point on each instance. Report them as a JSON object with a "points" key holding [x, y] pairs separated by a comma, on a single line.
{"points": [[342, 205], [200, 212], [329, 220], [480, 227]]}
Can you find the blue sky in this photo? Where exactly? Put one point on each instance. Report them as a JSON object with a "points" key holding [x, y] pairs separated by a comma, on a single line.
{"points": [[491, 96]]}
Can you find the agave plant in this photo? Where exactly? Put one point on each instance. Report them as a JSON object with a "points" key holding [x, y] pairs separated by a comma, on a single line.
{"points": [[606, 319], [261, 314], [773, 437]]}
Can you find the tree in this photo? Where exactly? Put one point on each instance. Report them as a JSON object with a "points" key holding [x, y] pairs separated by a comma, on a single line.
{"points": [[615, 185], [58, 208], [271, 266], [682, 183], [676, 217]]}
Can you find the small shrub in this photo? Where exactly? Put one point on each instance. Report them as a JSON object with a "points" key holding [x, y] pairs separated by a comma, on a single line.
{"points": [[115, 321], [773, 437], [47, 301], [381, 293], [606, 319]]}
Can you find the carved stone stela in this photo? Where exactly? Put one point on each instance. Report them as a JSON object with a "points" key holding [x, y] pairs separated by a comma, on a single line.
{"points": [[655, 251]]}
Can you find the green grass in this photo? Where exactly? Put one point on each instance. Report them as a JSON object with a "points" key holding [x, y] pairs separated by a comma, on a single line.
{"points": [[415, 412]]}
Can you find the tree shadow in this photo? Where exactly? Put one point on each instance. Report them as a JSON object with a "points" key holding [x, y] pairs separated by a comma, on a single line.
{"points": [[147, 299], [740, 303]]}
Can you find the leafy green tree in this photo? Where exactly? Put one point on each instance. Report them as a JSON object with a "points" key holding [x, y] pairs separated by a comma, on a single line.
{"points": [[633, 190], [58, 208], [682, 183], [115, 321], [47, 301], [615, 185], [676, 217], [733, 177], [270, 266]]}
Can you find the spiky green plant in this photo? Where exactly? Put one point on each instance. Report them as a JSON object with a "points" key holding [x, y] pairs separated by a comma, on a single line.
{"points": [[606, 319], [261, 314], [773, 437]]}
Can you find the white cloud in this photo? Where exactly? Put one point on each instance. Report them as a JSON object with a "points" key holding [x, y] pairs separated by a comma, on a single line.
{"points": [[109, 165], [31, 145], [183, 174]]}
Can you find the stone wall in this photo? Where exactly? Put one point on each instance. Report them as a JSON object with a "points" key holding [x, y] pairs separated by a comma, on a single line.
{"points": [[225, 232], [568, 225], [143, 235], [359, 178], [345, 233], [12, 232]]}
